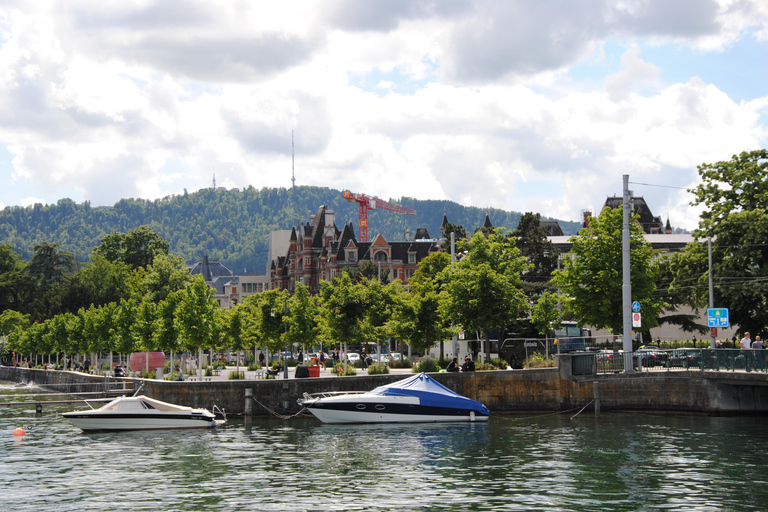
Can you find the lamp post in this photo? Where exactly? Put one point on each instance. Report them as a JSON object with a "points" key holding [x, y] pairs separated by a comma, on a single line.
{"points": [[286, 312]]}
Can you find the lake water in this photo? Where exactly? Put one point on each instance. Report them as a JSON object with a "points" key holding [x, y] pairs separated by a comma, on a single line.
{"points": [[616, 462]]}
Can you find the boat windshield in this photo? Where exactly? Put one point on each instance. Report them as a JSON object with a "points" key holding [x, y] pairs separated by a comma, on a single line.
{"points": [[146, 405]]}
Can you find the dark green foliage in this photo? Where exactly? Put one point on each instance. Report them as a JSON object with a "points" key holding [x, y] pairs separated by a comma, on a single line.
{"points": [[232, 226]]}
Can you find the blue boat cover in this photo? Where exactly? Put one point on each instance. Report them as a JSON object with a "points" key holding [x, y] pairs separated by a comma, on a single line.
{"points": [[430, 393]]}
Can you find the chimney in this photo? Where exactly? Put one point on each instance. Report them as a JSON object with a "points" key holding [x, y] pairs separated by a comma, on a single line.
{"points": [[407, 235]]}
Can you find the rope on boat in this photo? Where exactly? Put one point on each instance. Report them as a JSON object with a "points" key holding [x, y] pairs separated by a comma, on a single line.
{"points": [[277, 414]]}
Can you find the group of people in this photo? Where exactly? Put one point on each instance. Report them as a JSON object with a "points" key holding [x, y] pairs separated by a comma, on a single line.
{"points": [[468, 366], [747, 343]]}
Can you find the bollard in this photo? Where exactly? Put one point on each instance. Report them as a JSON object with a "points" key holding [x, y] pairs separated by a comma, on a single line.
{"points": [[597, 399], [248, 405]]}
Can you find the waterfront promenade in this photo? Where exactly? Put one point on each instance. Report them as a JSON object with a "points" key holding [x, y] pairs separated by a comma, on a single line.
{"points": [[534, 390]]}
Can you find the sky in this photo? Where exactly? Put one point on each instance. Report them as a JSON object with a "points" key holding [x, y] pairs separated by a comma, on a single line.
{"points": [[526, 105]]}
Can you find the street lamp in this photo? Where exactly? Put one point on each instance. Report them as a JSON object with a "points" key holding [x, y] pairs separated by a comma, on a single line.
{"points": [[286, 312]]}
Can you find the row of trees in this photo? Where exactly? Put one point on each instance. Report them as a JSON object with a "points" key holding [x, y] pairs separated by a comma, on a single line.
{"points": [[134, 296], [163, 313]]}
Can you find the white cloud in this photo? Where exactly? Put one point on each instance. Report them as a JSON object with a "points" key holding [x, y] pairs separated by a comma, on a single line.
{"points": [[468, 101]]}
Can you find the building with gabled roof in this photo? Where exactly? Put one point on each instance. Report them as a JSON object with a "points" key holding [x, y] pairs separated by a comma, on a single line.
{"points": [[317, 251], [228, 288]]}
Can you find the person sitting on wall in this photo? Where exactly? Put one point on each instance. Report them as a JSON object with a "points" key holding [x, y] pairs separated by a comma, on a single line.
{"points": [[453, 366], [469, 365], [274, 371]]}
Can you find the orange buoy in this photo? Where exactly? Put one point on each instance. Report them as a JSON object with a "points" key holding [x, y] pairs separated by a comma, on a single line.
{"points": [[19, 432]]}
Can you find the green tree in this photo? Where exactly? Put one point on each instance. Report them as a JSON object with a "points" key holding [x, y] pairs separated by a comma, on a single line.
{"points": [[269, 310], [481, 292], [165, 275], [138, 248], [417, 318], [734, 195], [344, 309], [196, 315], [381, 301], [49, 271], [13, 280], [592, 276], [11, 320], [167, 329], [303, 326], [545, 315], [540, 253]]}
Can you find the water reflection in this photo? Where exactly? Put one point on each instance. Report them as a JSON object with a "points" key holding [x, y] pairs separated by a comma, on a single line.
{"points": [[617, 462]]}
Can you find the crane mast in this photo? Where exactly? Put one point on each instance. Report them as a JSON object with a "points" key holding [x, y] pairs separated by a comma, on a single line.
{"points": [[365, 203]]}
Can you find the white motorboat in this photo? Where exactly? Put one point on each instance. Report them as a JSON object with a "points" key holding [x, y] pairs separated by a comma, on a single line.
{"points": [[142, 413], [417, 399]]}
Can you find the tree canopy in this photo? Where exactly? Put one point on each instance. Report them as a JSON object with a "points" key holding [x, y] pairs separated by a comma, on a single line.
{"points": [[592, 278]]}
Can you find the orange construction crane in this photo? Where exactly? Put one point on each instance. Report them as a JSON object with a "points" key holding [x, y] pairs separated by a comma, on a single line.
{"points": [[366, 203]]}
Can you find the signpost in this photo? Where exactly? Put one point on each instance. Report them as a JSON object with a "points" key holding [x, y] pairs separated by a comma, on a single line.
{"points": [[718, 317]]}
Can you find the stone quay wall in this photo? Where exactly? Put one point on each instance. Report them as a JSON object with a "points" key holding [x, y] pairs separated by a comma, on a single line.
{"points": [[549, 389]]}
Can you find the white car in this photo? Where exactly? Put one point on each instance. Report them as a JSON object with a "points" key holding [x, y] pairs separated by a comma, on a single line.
{"points": [[353, 357], [396, 356]]}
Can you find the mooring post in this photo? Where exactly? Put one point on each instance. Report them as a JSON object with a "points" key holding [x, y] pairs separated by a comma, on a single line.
{"points": [[248, 405], [597, 399]]}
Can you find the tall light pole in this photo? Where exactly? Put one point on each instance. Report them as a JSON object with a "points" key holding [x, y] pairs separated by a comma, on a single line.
{"points": [[286, 312], [711, 289], [626, 289]]}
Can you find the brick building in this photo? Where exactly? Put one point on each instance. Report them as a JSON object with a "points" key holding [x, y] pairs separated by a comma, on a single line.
{"points": [[317, 251]]}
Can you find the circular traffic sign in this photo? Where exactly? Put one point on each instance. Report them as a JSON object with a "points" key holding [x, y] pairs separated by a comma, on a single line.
{"points": [[636, 307]]}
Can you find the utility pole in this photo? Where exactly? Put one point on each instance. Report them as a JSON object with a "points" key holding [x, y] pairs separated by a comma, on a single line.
{"points": [[626, 299], [711, 289]]}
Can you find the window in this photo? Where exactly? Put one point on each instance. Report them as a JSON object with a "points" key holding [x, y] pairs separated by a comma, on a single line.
{"points": [[380, 256], [351, 255], [394, 274], [411, 258]]}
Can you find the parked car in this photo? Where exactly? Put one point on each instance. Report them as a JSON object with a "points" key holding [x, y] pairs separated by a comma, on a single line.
{"points": [[384, 358], [353, 357], [684, 358], [652, 356], [606, 356], [396, 356]]}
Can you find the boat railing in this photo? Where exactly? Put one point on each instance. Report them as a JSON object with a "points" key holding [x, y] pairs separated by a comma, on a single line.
{"points": [[328, 394]]}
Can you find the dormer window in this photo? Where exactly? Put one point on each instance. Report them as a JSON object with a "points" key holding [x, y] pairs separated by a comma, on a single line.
{"points": [[380, 256], [351, 254], [412, 258]]}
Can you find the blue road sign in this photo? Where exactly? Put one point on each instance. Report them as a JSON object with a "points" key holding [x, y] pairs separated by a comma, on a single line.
{"points": [[718, 317], [636, 307]]}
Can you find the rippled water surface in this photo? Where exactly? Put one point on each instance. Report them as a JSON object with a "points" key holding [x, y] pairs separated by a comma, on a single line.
{"points": [[549, 463]]}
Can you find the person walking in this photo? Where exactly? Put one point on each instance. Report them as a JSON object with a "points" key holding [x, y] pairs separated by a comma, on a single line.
{"points": [[746, 351], [758, 354]]}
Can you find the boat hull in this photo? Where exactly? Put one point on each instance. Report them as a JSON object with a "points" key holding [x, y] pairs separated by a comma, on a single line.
{"points": [[142, 413], [94, 422], [364, 408]]}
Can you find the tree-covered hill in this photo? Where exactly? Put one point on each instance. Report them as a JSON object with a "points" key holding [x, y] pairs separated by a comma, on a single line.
{"points": [[229, 225]]}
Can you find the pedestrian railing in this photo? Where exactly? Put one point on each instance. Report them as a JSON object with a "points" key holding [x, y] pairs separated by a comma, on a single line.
{"points": [[704, 359]]}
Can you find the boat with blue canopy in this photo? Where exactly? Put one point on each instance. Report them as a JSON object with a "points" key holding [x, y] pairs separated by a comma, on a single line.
{"points": [[417, 399]]}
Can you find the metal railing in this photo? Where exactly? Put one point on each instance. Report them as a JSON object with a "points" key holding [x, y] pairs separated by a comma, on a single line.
{"points": [[688, 359]]}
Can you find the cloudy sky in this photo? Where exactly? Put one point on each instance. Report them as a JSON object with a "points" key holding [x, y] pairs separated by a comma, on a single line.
{"points": [[527, 105]]}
